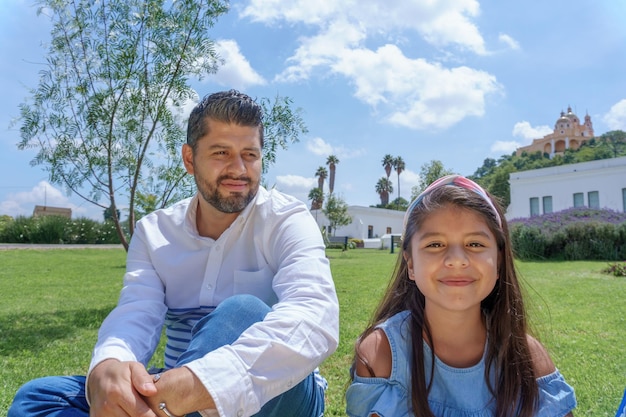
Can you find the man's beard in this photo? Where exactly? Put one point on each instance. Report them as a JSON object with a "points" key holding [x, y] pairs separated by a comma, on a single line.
{"points": [[235, 202]]}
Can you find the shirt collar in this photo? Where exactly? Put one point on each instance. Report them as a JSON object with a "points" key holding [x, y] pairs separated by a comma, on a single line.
{"points": [[190, 217]]}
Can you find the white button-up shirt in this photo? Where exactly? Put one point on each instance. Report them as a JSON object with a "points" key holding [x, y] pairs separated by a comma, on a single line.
{"points": [[273, 250]]}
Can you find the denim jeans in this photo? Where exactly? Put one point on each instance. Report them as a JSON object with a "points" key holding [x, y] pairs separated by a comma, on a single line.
{"points": [[64, 396]]}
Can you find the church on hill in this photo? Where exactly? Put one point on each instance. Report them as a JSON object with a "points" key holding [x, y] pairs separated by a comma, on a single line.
{"points": [[568, 133]]}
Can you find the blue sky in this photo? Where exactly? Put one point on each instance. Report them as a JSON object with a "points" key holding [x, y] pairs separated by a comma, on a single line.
{"points": [[453, 80]]}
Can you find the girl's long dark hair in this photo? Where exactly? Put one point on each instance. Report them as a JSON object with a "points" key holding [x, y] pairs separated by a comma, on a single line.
{"points": [[508, 354]]}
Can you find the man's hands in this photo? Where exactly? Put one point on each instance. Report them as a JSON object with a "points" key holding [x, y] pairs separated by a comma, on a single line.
{"points": [[120, 389], [125, 389]]}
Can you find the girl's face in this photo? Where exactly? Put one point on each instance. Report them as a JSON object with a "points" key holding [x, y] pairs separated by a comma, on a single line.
{"points": [[453, 260]]}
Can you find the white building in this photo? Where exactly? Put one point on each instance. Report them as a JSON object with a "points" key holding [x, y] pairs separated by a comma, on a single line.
{"points": [[367, 222], [595, 184]]}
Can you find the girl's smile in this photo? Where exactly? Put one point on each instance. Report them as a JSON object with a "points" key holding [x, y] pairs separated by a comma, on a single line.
{"points": [[453, 259]]}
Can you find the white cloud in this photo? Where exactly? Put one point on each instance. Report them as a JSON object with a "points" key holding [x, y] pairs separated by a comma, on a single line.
{"points": [[440, 23], [407, 91], [408, 179], [525, 131], [502, 147], [413, 93], [522, 130], [182, 112], [509, 41], [296, 181], [23, 203], [296, 186], [320, 147], [236, 71], [616, 117]]}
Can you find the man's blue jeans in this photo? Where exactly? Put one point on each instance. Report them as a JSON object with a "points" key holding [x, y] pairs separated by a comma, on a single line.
{"points": [[64, 396]]}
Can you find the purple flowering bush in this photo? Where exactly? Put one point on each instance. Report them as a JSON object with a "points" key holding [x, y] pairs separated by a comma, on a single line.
{"points": [[573, 234]]}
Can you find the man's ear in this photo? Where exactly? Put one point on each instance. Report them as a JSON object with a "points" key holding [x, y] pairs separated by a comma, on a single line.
{"points": [[187, 154]]}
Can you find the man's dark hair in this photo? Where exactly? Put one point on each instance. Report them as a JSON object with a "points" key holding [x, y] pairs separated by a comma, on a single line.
{"points": [[225, 106]]}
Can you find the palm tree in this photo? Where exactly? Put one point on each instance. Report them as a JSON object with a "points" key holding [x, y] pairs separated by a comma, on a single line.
{"points": [[332, 162], [384, 187], [316, 195], [398, 165], [321, 175], [387, 164]]}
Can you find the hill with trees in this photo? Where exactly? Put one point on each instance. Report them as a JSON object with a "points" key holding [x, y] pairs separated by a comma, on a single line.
{"points": [[493, 175]]}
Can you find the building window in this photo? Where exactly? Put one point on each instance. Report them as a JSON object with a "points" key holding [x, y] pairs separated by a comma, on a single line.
{"points": [[579, 200], [370, 231], [534, 206], [624, 199], [547, 204], [594, 199], [388, 230]]}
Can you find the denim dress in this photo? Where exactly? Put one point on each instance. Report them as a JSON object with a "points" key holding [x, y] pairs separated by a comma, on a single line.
{"points": [[455, 392]]}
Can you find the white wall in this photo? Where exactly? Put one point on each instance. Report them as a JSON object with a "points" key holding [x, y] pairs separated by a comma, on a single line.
{"points": [[362, 217], [606, 176]]}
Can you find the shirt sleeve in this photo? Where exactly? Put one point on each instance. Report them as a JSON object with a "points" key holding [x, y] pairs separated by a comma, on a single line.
{"points": [[556, 397], [300, 331], [141, 308], [376, 395]]}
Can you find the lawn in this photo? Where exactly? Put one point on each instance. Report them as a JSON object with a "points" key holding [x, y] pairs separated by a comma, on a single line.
{"points": [[53, 302]]}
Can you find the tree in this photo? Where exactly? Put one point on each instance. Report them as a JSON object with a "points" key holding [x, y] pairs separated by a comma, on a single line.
{"points": [[400, 204], [105, 118], [387, 164], [145, 204], [429, 173], [384, 187], [488, 165], [336, 211], [615, 140], [398, 166], [316, 195], [321, 175], [282, 125], [332, 162]]}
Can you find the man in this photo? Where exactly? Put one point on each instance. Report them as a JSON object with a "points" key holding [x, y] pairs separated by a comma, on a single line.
{"points": [[239, 277]]}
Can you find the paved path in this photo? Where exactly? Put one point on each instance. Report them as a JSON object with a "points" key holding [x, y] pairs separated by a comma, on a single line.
{"points": [[9, 246]]}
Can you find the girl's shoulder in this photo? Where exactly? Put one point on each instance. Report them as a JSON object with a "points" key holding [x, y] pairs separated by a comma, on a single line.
{"points": [[542, 363], [374, 358], [374, 354]]}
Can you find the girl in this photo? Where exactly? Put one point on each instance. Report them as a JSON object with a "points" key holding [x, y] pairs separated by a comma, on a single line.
{"points": [[450, 336]]}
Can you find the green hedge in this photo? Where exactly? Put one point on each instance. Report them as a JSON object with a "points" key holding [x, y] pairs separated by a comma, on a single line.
{"points": [[574, 234], [57, 230]]}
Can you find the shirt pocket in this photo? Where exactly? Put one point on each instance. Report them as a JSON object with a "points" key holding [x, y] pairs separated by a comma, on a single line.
{"points": [[257, 283]]}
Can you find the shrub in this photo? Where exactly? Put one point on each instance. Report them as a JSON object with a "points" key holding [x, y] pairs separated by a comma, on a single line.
{"points": [[528, 242], [48, 229], [57, 229], [355, 243], [17, 231], [572, 234], [617, 269]]}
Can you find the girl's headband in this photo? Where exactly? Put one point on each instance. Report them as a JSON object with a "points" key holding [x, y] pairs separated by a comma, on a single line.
{"points": [[459, 181]]}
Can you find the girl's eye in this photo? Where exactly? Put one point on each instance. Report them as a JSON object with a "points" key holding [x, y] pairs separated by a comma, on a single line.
{"points": [[476, 245], [435, 245]]}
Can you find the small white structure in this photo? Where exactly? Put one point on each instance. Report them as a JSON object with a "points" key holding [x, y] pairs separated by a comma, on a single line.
{"points": [[367, 222], [595, 184]]}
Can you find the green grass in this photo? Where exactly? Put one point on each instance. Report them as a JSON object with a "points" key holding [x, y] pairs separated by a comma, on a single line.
{"points": [[53, 302]]}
